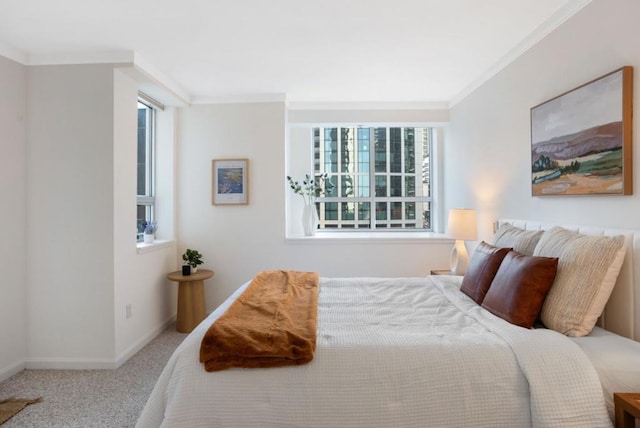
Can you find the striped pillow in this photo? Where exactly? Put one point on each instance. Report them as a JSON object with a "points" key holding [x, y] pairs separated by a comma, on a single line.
{"points": [[522, 241], [588, 267]]}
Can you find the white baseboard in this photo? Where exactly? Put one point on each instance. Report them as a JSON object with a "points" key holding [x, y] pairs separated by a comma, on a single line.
{"points": [[144, 341], [70, 364], [15, 368], [95, 363]]}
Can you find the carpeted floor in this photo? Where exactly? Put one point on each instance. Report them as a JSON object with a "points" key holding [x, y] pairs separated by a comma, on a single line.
{"points": [[91, 398]]}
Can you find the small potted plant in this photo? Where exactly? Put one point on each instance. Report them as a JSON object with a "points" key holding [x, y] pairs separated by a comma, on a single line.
{"points": [[150, 228], [192, 258]]}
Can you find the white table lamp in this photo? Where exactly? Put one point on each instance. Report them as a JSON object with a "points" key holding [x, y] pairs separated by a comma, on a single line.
{"points": [[462, 227]]}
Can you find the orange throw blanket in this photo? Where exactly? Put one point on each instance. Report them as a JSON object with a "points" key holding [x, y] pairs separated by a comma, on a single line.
{"points": [[272, 324]]}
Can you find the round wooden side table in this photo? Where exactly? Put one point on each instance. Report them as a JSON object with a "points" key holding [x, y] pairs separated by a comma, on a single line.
{"points": [[191, 304]]}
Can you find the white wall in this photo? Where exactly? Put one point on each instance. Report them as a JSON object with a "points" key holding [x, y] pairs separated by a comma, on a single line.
{"points": [[367, 113], [487, 152], [70, 234], [140, 276], [239, 241], [13, 225], [84, 266]]}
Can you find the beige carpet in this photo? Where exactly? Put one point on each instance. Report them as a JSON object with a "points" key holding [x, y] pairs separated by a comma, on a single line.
{"points": [[91, 398], [11, 406]]}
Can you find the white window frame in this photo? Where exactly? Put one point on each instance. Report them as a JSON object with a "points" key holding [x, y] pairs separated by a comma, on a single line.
{"points": [[148, 199], [372, 199]]}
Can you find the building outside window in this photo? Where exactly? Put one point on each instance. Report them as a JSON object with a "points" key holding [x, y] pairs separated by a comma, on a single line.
{"points": [[380, 176], [146, 166]]}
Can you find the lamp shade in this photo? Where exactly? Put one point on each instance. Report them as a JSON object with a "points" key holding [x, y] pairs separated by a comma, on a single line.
{"points": [[462, 224]]}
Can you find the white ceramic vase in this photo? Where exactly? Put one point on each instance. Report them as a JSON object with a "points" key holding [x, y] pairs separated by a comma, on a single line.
{"points": [[309, 219], [148, 238]]}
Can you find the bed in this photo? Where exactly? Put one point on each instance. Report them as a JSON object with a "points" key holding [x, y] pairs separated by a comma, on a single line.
{"points": [[407, 352]]}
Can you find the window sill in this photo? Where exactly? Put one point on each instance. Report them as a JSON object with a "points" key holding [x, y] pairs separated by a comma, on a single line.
{"points": [[158, 244], [322, 237]]}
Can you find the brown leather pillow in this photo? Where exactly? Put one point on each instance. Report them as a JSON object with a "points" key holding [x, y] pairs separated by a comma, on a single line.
{"points": [[484, 264], [519, 288]]}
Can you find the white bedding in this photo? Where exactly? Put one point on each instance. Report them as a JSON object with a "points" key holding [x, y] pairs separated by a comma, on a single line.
{"points": [[616, 360], [391, 353]]}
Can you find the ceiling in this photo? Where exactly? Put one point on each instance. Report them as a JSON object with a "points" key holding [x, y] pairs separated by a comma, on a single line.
{"points": [[321, 51]]}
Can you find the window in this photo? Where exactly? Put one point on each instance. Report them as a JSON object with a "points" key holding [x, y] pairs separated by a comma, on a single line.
{"points": [[380, 177], [146, 167]]}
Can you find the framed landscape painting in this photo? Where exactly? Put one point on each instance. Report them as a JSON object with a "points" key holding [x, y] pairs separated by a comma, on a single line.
{"points": [[230, 181], [581, 140]]}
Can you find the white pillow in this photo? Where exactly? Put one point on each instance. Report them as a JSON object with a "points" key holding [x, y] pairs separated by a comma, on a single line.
{"points": [[588, 267]]}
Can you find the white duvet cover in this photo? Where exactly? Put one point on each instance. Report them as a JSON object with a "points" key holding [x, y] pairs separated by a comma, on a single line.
{"points": [[403, 352]]}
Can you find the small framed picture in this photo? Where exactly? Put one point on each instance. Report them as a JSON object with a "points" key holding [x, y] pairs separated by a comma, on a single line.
{"points": [[230, 181]]}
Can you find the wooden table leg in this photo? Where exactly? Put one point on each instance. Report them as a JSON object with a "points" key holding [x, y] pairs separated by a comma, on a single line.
{"points": [[191, 305]]}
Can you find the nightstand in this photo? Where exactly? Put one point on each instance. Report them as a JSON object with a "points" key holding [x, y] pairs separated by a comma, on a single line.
{"points": [[627, 409], [441, 272], [191, 305]]}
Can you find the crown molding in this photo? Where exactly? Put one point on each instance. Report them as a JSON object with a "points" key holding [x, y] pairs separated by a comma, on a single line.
{"points": [[367, 105], [114, 57], [241, 98], [13, 54], [569, 9]]}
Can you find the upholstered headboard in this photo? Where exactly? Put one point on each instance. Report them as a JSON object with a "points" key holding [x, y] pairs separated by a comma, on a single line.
{"points": [[622, 313]]}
